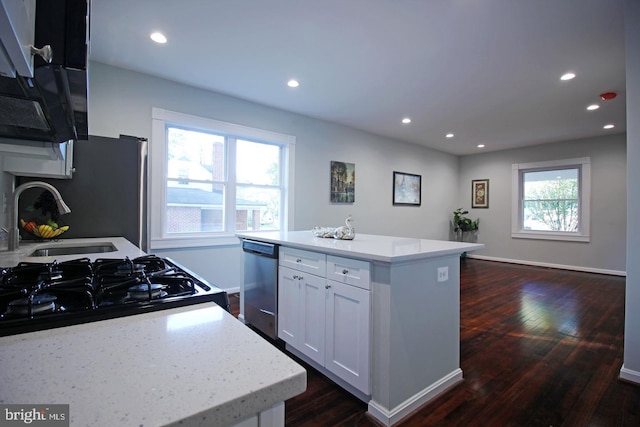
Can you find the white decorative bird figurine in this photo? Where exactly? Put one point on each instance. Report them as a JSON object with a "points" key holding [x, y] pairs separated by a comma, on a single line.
{"points": [[346, 232]]}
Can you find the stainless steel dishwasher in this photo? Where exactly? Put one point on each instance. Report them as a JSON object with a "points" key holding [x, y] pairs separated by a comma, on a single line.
{"points": [[261, 286]]}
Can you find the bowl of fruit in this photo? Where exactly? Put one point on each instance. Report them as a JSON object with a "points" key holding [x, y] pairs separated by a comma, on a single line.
{"points": [[49, 230]]}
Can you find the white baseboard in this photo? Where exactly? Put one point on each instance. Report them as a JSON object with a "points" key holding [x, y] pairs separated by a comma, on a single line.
{"points": [[629, 375], [389, 417], [550, 265]]}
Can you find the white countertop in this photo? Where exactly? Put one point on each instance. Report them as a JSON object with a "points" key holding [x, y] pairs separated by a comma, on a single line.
{"points": [[123, 246], [194, 365], [366, 246]]}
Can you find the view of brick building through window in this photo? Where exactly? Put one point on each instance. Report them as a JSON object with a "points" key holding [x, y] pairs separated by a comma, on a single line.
{"points": [[197, 178]]}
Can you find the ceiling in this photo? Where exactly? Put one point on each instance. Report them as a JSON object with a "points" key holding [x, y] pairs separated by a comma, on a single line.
{"points": [[487, 71]]}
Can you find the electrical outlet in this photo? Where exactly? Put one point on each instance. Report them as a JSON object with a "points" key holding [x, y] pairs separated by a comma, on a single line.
{"points": [[443, 274]]}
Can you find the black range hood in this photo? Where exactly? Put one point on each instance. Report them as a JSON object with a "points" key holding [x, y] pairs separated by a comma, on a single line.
{"points": [[51, 106]]}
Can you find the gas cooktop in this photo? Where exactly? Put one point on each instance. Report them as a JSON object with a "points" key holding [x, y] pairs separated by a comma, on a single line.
{"points": [[37, 296]]}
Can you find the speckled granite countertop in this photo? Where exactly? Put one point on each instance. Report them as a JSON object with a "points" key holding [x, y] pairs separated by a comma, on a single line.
{"points": [[123, 247], [195, 365]]}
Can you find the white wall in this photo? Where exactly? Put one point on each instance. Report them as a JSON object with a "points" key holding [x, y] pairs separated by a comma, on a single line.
{"points": [[120, 102], [606, 250], [631, 367]]}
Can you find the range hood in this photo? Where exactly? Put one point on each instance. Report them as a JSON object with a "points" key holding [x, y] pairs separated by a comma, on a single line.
{"points": [[51, 106]]}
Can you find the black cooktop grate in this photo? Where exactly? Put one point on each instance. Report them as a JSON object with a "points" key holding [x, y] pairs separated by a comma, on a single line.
{"points": [[36, 296]]}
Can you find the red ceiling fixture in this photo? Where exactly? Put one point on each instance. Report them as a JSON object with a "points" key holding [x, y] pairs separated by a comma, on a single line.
{"points": [[608, 96]]}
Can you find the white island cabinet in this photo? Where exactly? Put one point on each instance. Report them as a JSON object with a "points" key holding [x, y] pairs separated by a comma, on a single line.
{"points": [[323, 320], [379, 315]]}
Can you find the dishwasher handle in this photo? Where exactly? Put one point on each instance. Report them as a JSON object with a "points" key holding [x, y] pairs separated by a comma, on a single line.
{"points": [[268, 250]]}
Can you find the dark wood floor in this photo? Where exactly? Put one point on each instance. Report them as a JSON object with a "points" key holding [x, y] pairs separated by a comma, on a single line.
{"points": [[539, 347]]}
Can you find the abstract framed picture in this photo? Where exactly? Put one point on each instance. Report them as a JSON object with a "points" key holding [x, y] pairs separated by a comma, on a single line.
{"points": [[343, 182], [480, 193], [407, 189]]}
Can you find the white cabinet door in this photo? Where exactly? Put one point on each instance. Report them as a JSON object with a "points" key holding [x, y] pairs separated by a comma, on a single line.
{"points": [[17, 34], [289, 306], [347, 334], [312, 316], [39, 159], [301, 311]]}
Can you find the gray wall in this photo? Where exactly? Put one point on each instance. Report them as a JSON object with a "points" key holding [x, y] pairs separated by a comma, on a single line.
{"points": [[632, 309], [6, 190], [606, 250], [120, 102]]}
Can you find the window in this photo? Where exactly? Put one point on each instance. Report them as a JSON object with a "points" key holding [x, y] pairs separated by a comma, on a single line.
{"points": [[258, 193], [195, 180], [551, 200], [210, 179]]}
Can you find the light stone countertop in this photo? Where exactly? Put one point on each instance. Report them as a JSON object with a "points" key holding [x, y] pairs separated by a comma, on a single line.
{"points": [[124, 248], [195, 365], [366, 246]]}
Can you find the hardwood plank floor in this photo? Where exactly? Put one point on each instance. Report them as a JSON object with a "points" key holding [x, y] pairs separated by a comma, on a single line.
{"points": [[539, 347]]}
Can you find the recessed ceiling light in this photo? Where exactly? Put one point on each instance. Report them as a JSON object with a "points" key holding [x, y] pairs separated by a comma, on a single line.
{"points": [[406, 120], [567, 76], [593, 107], [609, 126], [449, 135], [480, 145], [293, 83], [158, 37]]}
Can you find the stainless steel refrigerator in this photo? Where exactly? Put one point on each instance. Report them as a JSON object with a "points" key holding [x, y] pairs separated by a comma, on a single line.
{"points": [[108, 191]]}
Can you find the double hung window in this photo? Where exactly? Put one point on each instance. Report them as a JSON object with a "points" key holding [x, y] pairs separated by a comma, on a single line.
{"points": [[551, 200], [210, 179]]}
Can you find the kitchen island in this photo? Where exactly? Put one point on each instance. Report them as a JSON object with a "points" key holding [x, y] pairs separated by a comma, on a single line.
{"points": [[193, 366], [389, 309], [189, 366]]}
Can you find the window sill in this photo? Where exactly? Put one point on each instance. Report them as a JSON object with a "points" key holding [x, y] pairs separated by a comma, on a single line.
{"points": [[194, 242], [541, 235]]}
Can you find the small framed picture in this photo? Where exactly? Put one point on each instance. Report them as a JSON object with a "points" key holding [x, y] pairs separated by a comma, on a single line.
{"points": [[480, 193], [407, 189], [343, 182]]}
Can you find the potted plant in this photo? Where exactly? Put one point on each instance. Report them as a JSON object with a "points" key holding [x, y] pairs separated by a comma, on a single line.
{"points": [[463, 224]]}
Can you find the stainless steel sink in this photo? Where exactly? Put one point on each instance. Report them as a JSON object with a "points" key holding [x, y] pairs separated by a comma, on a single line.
{"points": [[73, 250]]}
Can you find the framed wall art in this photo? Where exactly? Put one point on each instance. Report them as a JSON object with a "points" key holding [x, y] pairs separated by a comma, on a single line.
{"points": [[480, 193], [407, 189], [343, 182]]}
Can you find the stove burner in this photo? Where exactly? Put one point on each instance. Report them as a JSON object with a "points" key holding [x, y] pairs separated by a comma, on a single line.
{"points": [[141, 292], [128, 269], [37, 296], [43, 303]]}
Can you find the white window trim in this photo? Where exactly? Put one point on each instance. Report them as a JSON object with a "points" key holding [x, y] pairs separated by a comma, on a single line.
{"points": [[157, 177], [583, 235]]}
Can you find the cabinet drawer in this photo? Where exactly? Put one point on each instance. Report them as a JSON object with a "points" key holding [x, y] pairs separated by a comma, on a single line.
{"points": [[298, 259], [350, 271]]}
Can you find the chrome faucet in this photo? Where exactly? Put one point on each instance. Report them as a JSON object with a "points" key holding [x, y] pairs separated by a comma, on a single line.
{"points": [[14, 232]]}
